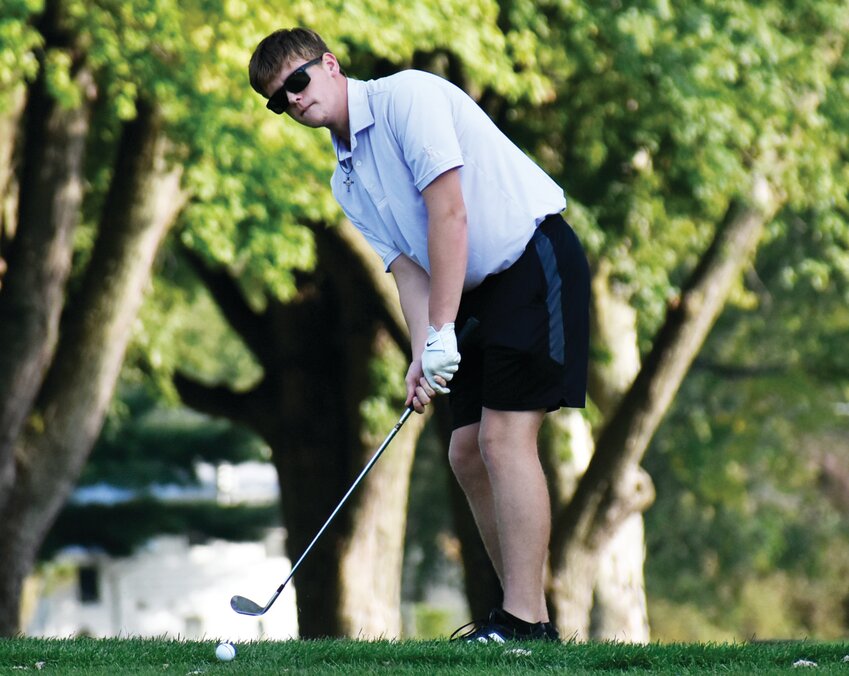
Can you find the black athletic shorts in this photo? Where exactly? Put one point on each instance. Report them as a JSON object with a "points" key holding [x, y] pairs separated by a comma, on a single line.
{"points": [[530, 350]]}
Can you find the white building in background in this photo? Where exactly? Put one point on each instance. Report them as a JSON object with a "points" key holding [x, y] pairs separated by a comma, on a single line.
{"points": [[169, 587]]}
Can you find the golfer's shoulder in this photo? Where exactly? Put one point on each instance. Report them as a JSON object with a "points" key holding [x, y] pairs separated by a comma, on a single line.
{"points": [[407, 85]]}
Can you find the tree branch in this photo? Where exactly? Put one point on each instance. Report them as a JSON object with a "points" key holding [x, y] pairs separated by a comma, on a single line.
{"points": [[218, 401], [39, 257]]}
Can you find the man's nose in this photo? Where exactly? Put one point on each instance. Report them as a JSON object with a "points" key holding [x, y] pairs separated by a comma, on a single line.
{"points": [[293, 97]]}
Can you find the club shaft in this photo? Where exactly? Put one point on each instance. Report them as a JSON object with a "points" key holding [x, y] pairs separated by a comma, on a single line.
{"points": [[250, 608], [353, 487]]}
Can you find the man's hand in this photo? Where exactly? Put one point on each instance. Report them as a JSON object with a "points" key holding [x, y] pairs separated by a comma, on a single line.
{"points": [[440, 357], [419, 393]]}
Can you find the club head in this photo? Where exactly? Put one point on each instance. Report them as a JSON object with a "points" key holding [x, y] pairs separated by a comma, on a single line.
{"points": [[245, 606]]}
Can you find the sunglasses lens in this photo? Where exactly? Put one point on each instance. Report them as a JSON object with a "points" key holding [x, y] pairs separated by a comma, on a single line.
{"points": [[297, 82], [278, 101]]}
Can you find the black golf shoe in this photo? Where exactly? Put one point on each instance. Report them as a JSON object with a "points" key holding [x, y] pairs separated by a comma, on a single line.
{"points": [[501, 626]]}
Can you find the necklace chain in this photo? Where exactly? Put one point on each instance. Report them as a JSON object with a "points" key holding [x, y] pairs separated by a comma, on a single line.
{"points": [[348, 180]]}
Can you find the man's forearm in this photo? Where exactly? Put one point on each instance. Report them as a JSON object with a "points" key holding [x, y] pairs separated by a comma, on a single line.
{"points": [[413, 287], [448, 251], [447, 246]]}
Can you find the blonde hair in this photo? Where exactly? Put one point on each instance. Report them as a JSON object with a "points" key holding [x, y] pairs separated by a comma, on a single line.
{"points": [[278, 49]]}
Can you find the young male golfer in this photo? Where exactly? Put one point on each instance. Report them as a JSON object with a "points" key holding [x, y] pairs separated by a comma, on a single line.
{"points": [[469, 227]]}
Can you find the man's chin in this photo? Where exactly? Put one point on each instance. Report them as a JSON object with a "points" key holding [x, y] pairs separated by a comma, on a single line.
{"points": [[310, 118]]}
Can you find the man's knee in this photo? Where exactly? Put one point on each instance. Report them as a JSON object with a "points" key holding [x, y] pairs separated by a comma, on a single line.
{"points": [[494, 445], [464, 454], [508, 432]]}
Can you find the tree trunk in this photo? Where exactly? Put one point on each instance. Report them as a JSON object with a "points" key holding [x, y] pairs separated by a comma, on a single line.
{"points": [[10, 120], [610, 491], [566, 445], [571, 591], [315, 352], [71, 405], [613, 327], [39, 257], [372, 555], [619, 610]]}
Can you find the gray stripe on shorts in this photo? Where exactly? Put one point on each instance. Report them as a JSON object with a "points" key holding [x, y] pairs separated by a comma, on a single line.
{"points": [[556, 340]]}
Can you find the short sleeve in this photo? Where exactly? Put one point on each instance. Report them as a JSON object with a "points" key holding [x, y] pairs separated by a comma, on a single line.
{"points": [[387, 252], [423, 122]]}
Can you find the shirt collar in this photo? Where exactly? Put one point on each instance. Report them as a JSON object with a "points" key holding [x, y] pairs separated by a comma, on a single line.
{"points": [[359, 115]]}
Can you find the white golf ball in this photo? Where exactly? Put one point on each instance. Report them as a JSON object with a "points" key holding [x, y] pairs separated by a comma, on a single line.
{"points": [[225, 651]]}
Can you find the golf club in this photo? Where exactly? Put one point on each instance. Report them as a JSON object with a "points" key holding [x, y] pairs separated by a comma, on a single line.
{"points": [[245, 606]]}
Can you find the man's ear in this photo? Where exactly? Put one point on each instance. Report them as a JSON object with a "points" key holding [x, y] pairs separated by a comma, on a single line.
{"points": [[331, 60]]}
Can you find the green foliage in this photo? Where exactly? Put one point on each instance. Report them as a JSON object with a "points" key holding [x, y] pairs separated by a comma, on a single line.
{"points": [[386, 373], [678, 622], [738, 464], [18, 40], [653, 116], [665, 112], [181, 326], [433, 621], [253, 178]]}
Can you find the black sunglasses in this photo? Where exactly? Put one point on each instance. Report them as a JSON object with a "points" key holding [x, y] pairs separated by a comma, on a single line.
{"points": [[278, 102]]}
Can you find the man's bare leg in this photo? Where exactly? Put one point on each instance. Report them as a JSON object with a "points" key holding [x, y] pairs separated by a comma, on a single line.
{"points": [[464, 455], [497, 465], [508, 441]]}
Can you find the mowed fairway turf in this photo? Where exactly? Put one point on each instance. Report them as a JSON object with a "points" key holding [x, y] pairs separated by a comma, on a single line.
{"points": [[152, 656]]}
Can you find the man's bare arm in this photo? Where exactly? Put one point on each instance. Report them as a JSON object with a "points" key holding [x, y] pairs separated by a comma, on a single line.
{"points": [[447, 246]]}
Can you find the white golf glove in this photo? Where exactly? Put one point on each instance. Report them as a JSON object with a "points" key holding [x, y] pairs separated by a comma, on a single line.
{"points": [[440, 356]]}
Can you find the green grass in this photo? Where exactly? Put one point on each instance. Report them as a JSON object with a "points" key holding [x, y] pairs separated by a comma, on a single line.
{"points": [[152, 656]]}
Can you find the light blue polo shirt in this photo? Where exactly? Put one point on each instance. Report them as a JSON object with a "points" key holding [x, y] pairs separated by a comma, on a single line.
{"points": [[407, 129]]}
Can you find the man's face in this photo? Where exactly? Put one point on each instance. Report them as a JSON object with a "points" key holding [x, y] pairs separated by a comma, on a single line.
{"points": [[313, 105]]}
